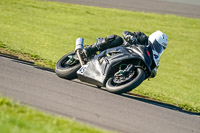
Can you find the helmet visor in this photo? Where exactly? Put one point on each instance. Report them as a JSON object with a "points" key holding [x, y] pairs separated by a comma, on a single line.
{"points": [[158, 47]]}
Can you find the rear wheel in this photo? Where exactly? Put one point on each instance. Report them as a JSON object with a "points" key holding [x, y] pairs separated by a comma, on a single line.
{"points": [[125, 79], [67, 66]]}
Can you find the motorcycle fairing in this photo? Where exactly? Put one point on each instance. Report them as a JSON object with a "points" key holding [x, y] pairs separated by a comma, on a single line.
{"points": [[145, 53], [99, 69]]}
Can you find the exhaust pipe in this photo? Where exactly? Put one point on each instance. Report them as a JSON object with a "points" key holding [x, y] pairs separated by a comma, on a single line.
{"points": [[79, 49]]}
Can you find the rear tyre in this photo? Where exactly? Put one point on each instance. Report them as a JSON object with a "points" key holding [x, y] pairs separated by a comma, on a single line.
{"points": [[130, 84], [67, 66]]}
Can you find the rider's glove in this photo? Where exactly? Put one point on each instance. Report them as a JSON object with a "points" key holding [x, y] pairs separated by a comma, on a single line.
{"points": [[131, 39]]}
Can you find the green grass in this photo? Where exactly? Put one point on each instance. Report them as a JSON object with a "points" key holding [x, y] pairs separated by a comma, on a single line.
{"points": [[48, 30], [15, 118]]}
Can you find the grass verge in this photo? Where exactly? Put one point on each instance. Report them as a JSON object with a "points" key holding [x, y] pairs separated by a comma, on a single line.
{"points": [[47, 30], [15, 118]]}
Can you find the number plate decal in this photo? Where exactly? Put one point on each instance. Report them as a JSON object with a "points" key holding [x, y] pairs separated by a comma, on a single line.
{"points": [[82, 69]]}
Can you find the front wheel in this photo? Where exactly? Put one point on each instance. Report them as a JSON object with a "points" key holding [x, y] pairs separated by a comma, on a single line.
{"points": [[122, 83], [67, 66]]}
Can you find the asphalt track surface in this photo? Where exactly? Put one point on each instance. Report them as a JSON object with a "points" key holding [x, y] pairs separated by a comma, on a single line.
{"points": [[41, 88], [187, 8]]}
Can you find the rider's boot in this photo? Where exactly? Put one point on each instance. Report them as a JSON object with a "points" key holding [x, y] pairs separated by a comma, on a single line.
{"points": [[90, 50], [103, 44]]}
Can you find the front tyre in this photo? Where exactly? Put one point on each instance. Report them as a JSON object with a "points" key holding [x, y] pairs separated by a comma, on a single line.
{"points": [[116, 86], [67, 66]]}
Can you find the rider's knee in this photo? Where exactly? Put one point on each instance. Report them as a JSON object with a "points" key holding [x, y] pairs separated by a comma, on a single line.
{"points": [[112, 41]]}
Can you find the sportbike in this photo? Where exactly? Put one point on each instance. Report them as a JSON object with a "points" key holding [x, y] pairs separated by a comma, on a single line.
{"points": [[118, 69]]}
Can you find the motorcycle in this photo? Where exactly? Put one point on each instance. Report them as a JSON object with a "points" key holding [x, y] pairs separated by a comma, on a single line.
{"points": [[119, 69]]}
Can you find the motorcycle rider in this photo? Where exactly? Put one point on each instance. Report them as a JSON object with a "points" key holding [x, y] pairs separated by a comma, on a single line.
{"points": [[158, 40]]}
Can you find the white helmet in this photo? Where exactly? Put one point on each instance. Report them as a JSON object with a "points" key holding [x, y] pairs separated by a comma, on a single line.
{"points": [[159, 40]]}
